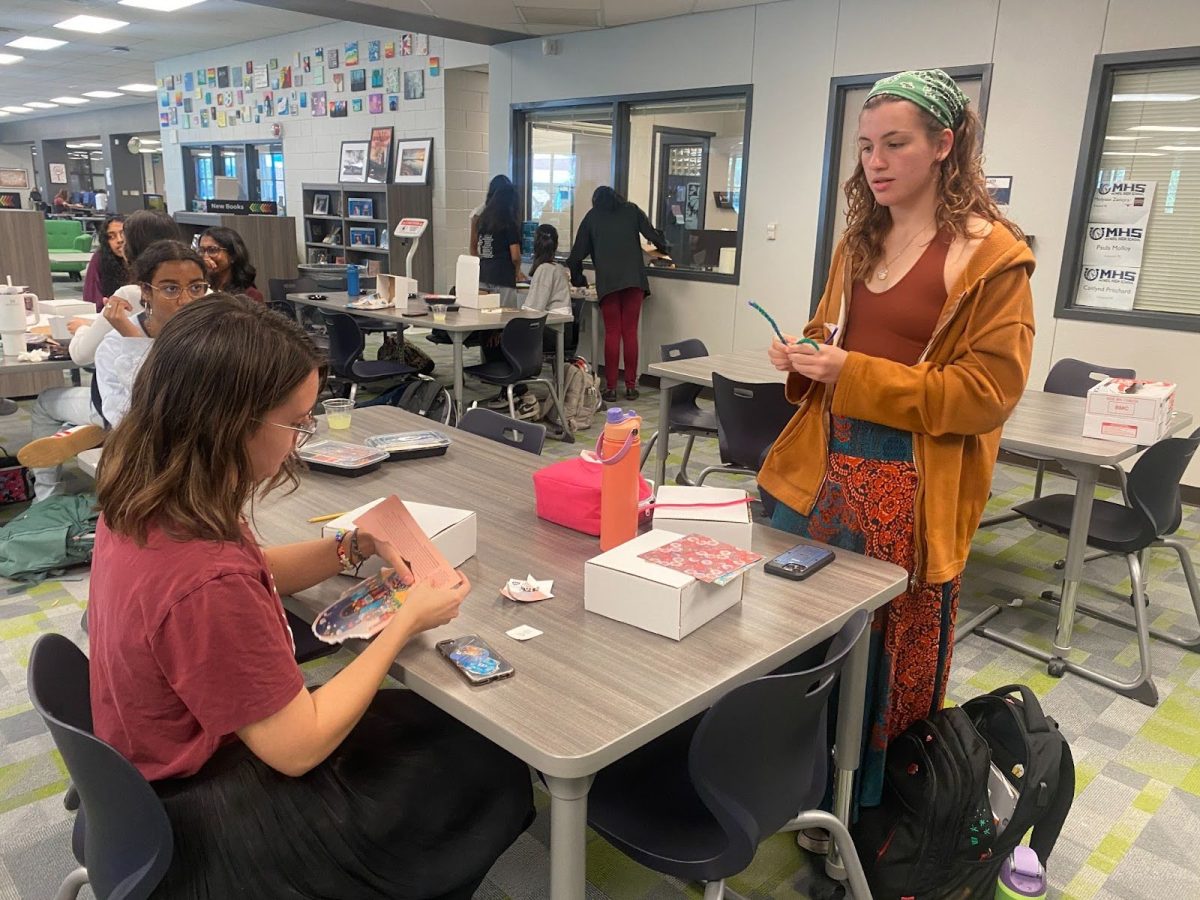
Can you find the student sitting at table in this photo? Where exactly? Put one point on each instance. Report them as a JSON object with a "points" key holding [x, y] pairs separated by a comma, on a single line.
{"points": [[228, 261], [171, 275], [107, 270], [549, 284], [64, 420], [272, 790]]}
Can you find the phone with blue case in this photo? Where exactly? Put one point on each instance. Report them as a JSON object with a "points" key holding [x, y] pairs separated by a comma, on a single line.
{"points": [[799, 562]]}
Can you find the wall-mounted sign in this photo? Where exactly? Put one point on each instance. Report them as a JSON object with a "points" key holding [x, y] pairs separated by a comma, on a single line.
{"points": [[1112, 249], [244, 207]]}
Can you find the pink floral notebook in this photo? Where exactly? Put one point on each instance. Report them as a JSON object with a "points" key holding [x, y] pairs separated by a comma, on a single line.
{"points": [[704, 558]]}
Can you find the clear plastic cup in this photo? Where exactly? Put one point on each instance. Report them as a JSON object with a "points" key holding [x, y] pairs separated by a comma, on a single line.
{"points": [[438, 310], [338, 411]]}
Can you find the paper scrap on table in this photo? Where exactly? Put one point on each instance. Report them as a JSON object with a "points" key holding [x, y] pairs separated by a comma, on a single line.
{"points": [[529, 590], [523, 632], [392, 522]]}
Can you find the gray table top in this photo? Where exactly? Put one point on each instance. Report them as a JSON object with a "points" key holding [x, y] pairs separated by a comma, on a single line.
{"points": [[590, 689], [10, 364], [464, 319], [1042, 424]]}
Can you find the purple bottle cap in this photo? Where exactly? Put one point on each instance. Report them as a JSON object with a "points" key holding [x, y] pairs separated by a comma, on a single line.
{"points": [[614, 415], [1022, 873]]}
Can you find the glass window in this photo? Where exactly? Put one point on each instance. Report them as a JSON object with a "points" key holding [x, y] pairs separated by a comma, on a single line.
{"points": [[570, 153], [685, 171], [1135, 222], [270, 173]]}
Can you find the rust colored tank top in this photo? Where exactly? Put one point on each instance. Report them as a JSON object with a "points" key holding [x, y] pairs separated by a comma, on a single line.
{"points": [[897, 323]]}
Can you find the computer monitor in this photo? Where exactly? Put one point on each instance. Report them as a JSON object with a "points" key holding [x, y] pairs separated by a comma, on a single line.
{"points": [[154, 201]]}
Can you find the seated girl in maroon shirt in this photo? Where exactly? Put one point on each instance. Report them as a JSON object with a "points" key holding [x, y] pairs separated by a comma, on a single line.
{"points": [[272, 790]]}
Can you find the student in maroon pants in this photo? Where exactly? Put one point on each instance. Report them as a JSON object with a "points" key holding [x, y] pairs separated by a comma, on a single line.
{"points": [[609, 234]]}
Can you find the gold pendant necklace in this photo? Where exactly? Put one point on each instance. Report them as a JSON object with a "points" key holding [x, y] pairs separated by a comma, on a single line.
{"points": [[882, 272]]}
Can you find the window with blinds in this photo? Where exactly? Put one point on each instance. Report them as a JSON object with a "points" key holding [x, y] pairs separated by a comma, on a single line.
{"points": [[1134, 232]]}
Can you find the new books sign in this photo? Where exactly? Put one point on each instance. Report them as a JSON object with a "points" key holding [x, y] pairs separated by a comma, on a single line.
{"points": [[1112, 252]]}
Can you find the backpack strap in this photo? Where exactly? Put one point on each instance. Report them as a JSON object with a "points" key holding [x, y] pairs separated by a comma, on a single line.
{"points": [[1046, 832], [1035, 719]]}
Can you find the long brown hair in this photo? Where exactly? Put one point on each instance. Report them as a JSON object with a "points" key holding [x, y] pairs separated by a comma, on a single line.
{"points": [[961, 193], [178, 459]]}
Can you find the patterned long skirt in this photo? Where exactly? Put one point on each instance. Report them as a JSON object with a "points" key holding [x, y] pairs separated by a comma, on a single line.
{"points": [[866, 505]]}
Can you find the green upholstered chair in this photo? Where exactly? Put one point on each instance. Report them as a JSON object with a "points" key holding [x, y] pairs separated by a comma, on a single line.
{"points": [[67, 235]]}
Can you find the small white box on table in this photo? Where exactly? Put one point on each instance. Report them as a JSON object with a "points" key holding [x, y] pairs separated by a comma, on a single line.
{"points": [[453, 531], [619, 585], [719, 513], [478, 301], [1130, 410], [65, 308]]}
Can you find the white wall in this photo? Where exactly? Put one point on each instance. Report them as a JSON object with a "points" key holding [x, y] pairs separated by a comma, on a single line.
{"points": [[466, 163], [1042, 55], [311, 145]]}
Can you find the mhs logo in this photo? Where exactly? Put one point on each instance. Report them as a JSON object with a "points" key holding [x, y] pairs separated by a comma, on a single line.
{"points": [[1123, 187], [1109, 276], [1107, 232]]}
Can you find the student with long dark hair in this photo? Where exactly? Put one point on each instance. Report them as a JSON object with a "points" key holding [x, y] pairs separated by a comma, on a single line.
{"points": [[610, 234], [498, 247], [228, 261], [107, 270], [549, 286], [498, 181], [900, 409], [272, 789]]}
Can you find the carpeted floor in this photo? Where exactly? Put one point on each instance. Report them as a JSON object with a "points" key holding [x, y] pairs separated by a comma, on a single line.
{"points": [[1130, 834]]}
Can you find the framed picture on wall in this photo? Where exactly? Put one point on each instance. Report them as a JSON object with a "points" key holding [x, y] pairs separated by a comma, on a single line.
{"points": [[413, 160], [379, 156], [320, 205], [58, 172], [14, 178], [353, 163]]}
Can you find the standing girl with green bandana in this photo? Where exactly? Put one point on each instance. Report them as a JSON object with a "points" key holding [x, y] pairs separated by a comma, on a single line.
{"points": [[925, 332]]}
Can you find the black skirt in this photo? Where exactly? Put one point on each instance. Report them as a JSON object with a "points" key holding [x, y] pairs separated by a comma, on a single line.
{"points": [[413, 804]]}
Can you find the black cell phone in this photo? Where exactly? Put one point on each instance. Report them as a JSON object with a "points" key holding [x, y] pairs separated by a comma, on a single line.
{"points": [[799, 562], [475, 659]]}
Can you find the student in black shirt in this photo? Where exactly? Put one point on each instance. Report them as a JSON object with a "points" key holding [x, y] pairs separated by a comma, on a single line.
{"points": [[609, 234], [499, 247]]}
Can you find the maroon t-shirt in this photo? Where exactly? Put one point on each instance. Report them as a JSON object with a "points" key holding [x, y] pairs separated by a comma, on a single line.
{"points": [[188, 644]]}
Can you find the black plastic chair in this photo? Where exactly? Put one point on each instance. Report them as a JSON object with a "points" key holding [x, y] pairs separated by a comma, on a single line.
{"points": [[685, 416], [346, 363], [122, 837], [528, 436], [521, 363], [279, 288], [1153, 512], [749, 419], [696, 802]]}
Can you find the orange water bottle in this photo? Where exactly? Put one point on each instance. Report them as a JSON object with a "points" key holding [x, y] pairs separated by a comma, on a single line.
{"points": [[619, 449]]}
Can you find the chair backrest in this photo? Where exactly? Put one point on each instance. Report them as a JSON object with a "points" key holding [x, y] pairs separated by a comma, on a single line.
{"points": [[684, 394], [488, 423], [760, 754], [521, 344], [127, 836], [1154, 483], [749, 419], [346, 342], [1074, 376], [279, 288]]}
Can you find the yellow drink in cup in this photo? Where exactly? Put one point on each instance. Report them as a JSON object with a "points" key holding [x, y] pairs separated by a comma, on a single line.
{"points": [[338, 412], [438, 310]]}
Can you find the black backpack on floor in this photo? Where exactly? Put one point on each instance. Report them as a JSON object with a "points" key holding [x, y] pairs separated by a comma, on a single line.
{"points": [[933, 834], [421, 395]]}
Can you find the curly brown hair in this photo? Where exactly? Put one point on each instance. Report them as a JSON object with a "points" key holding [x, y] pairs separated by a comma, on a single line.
{"points": [[962, 192]]}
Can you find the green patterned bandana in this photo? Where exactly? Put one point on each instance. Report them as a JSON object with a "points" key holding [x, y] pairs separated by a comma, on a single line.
{"points": [[931, 89]]}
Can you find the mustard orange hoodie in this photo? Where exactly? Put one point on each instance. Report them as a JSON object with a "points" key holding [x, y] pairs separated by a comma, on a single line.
{"points": [[955, 400]]}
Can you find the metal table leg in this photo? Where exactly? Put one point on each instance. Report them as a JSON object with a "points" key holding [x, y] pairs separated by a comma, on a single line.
{"points": [[568, 836], [664, 417], [560, 358], [852, 704], [458, 337]]}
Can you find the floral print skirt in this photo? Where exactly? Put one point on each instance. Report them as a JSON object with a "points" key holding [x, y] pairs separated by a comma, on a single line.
{"points": [[866, 506]]}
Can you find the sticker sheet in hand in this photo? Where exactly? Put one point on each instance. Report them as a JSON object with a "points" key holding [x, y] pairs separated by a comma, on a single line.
{"points": [[364, 609]]}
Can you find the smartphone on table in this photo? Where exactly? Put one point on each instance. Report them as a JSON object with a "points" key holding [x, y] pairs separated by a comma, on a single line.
{"points": [[799, 562], [475, 659]]}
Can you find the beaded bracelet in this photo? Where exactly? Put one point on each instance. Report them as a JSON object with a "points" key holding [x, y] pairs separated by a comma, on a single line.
{"points": [[350, 558]]}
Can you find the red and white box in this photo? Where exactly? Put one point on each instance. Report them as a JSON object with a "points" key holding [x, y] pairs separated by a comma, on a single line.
{"points": [[1129, 410]]}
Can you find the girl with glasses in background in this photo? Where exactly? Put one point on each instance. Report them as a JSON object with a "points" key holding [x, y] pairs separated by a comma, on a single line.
{"points": [[228, 261]]}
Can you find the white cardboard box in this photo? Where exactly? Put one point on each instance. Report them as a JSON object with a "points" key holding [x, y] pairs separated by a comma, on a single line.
{"points": [[1130, 410], [652, 597], [65, 308], [730, 524], [479, 301], [451, 530]]}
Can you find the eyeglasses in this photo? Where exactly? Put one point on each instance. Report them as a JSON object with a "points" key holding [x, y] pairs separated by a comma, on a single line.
{"points": [[210, 251], [303, 432], [173, 291]]}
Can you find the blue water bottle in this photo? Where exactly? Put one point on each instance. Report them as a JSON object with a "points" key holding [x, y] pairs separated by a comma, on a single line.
{"points": [[352, 280]]}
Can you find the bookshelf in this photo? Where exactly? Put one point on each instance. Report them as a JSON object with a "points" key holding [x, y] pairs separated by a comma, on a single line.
{"points": [[353, 223]]}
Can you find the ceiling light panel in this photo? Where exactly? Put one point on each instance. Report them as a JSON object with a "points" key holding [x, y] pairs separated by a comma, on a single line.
{"points": [[41, 104], [15, 109], [69, 101], [35, 43], [160, 5], [138, 88], [7, 59], [91, 24], [103, 95]]}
